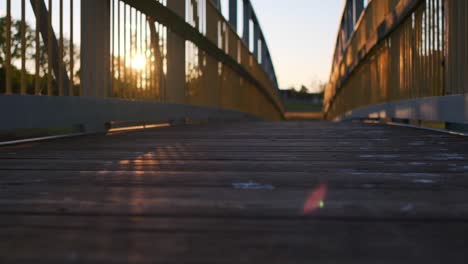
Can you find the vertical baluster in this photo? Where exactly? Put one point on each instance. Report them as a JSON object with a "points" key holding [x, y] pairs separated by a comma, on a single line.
{"points": [[142, 55], [415, 54], [37, 86], [148, 63], [442, 43], [61, 50], [151, 47], [150, 55], [152, 59], [431, 47], [130, 69], [159, 61], [434, 48], [425, 71], [112, 42], [437, 46], [72, 51], [7, 65], [136, 53], [125, 49], [119, 58], [440, 47], [144, 47], [137, 50], [160, 58], [428, 51], [461, 50], [154, 79], [406, 29], [23, 47], [49, 51]]}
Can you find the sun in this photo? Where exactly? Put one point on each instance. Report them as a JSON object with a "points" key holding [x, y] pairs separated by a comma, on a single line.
{"points": [[139, 62]]}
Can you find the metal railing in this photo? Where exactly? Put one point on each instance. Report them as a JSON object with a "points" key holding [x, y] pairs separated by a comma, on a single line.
{"points": [[170, 51], [398, 50]]}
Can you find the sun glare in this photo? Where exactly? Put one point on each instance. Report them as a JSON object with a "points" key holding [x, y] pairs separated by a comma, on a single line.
{"points": [[139, 62]]}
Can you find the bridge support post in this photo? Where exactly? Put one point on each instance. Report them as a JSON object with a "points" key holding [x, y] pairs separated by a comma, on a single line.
{"points": [[175, 88], [246, 24], [95, 48], [233, 14], [264, 56], [256, 38]]}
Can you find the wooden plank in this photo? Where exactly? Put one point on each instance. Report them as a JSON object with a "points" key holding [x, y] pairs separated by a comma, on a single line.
{"points": [[360, 203], [365, 165], [187, 179], [236, 193], [220, 241]]}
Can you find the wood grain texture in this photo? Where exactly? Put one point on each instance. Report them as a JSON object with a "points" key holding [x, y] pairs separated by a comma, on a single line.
{"points": [[235, 193]]}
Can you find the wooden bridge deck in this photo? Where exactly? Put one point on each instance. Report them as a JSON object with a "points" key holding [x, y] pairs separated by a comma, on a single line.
{"points": [[238, 193]]}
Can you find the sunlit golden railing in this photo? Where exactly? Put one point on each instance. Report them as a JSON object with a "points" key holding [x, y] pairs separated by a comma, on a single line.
{"points": [[138, 54], [169, 51], [398, 50]]}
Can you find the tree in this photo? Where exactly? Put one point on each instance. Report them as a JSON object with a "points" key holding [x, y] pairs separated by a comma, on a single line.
{"points": [[16, 41], [31, 55], [303, 90]]}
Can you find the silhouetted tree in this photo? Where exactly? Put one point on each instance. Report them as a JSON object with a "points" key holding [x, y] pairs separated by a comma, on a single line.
{"points": [[31, 55]]}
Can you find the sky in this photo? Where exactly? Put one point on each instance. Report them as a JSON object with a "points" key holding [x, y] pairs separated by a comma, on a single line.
{"points": [[301, 35]]}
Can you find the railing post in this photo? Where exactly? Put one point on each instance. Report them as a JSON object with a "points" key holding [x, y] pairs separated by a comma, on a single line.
{"points": [[247, 15], [256, 37], [233, 13], [447, 44], [264, 55], [9, 89], [175, 90], [95, 48]]}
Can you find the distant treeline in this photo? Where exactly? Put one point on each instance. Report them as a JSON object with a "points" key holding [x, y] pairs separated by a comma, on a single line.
{"points": [[302, 95]]}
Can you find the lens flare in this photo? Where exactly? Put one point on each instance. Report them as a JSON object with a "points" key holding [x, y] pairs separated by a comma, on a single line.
{"points": [[315, 200]]}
